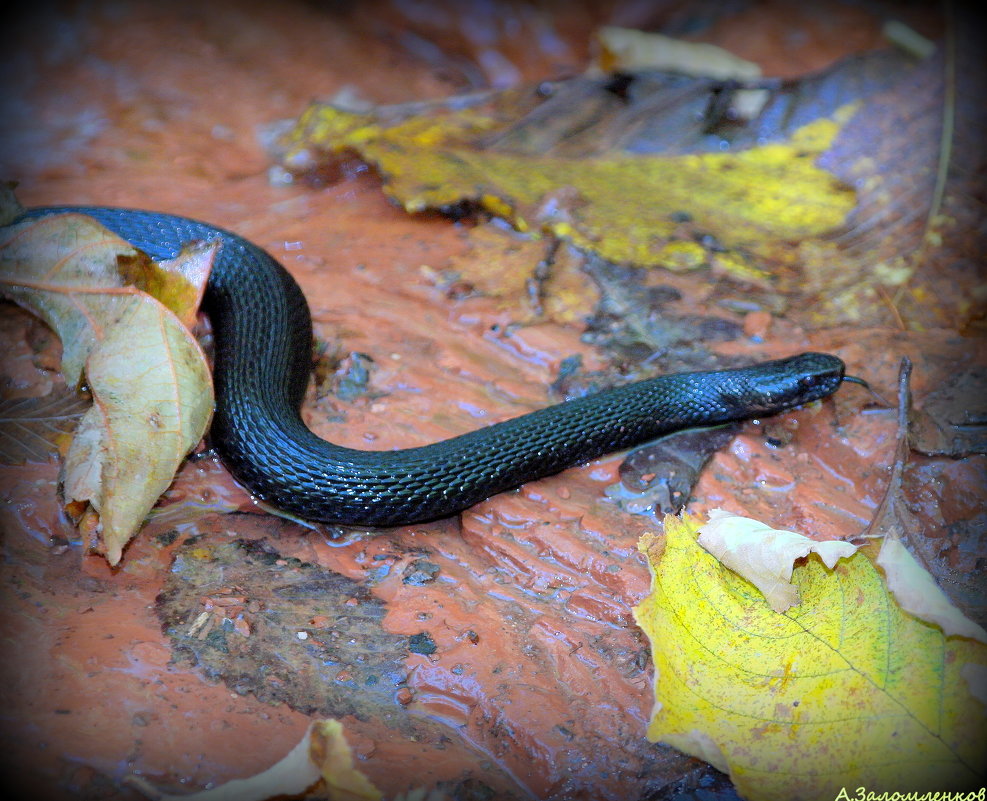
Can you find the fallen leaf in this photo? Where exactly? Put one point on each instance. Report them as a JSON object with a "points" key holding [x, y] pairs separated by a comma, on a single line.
{"points": [[953, 417], [597, 165], [180, 283], [321, 764], [659, 477], [853, 189], [628, 50], [67, 269], [152, 402], [765, 556], [917, 563], [499, 263], [916, 153], [918, 594], [31, 429], [530, 276], [151, 387], [843, 691], [624, 208]]}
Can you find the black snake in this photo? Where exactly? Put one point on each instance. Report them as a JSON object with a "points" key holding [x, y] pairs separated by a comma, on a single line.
{"points": [[262, 361]]}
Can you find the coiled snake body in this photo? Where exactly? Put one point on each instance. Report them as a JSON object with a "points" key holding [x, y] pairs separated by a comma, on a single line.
{"points": [[263, 341]]}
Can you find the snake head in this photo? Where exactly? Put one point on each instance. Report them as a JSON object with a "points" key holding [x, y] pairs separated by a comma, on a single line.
{"points": [[798, 379]]}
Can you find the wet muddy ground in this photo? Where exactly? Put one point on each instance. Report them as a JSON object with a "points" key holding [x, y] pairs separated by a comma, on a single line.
{"points": [[495, 652]]}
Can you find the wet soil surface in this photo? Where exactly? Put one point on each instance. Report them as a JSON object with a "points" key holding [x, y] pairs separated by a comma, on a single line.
{"points": [[493, 654]]}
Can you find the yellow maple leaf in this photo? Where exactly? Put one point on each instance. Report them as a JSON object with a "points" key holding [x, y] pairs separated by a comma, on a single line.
{"points": [[845, 690]]}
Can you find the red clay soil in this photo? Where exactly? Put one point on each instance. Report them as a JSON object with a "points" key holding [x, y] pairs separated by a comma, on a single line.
{"points": [[540, 680]]}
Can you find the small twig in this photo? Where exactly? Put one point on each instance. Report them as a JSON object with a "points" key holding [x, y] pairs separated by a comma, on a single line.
{"points": [[891, 304], [879, 526], [536, 284]]}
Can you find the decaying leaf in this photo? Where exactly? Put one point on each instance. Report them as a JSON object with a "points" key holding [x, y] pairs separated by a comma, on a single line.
{"points": [[953, 418], [321, 764], [918, 594], [31, 429], [529, 276], [130, 443], [843, 187], [68, 270], [149, 380], [917, 563], [624, 208], [917, 154], [612, 174], [765, 556], [658, 477], [179, 283], [844, 690]]}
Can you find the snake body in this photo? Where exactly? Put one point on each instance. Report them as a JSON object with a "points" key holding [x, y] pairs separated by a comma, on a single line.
{"points": [[262, 360]]}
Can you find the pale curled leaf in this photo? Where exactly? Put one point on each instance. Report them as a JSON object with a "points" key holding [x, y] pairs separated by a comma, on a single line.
{"points": [[627, 50], [763, 555], [322, 756], [152, 403], [917, 592], [66, 268]]}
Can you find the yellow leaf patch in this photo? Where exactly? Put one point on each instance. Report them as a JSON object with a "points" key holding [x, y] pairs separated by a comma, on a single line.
{"points": [[626, 208], [842, 691]]}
